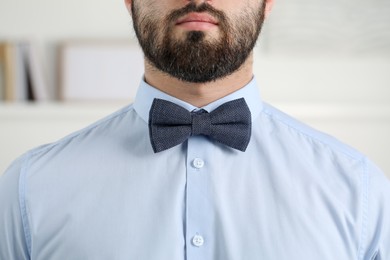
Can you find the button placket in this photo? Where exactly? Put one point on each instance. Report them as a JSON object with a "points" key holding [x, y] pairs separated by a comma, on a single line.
{"points": [[198, 208]]}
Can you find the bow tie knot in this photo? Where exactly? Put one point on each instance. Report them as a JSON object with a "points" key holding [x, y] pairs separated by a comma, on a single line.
{"points": [[201, 123], [170, 124]]}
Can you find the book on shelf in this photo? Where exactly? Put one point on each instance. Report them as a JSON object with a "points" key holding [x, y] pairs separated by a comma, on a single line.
{"points": [[106, 70], [2, 76], [7, 63], [21, 74]]}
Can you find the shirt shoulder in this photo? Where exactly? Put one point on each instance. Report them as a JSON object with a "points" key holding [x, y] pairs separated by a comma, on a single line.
{"points": [[94, 130], [46, 159], [47, 155], [316, 137], [341, 163]]}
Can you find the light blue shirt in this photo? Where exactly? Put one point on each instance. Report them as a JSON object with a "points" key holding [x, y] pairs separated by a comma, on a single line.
{"points": [[102, 193]]}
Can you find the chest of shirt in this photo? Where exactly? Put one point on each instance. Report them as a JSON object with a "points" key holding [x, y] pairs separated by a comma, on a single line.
{"points": [[160, 207]]}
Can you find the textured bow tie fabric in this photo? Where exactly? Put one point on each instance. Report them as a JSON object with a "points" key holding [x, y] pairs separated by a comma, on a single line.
{"points": [[171, 124]]}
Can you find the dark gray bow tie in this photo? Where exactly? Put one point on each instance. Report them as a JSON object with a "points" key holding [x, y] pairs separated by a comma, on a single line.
{"points": [[171, 125]]}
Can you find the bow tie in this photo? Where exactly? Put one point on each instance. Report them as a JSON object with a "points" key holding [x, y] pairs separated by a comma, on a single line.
{"points": [[171, 125]]}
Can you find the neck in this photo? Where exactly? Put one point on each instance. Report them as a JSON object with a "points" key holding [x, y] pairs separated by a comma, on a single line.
{"points": [[199, 94]]}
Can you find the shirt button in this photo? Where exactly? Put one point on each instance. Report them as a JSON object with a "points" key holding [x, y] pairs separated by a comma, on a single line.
{"points": [[198, 163], [198, 241]]}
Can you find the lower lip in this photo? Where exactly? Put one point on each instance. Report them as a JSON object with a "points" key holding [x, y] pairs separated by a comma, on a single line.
{"points": [[197, 26]]}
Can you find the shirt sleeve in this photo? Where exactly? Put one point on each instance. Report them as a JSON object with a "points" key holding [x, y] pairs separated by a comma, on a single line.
{"points": [[377, 234], [12, 238]]}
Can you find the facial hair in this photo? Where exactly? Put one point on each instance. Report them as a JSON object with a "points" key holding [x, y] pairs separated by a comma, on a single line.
{"points": [[197, 59]]}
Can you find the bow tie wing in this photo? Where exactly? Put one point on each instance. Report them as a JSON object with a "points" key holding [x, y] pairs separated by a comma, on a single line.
{"points": [[231, 124], [169, 125]]}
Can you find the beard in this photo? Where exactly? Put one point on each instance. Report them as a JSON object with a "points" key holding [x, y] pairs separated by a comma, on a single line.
{"points": [[195, 58]]}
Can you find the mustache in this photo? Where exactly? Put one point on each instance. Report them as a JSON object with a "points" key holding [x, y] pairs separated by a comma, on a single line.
{"points": [[193, 8]]}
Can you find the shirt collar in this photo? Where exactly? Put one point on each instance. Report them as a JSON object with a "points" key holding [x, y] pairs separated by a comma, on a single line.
{"points": [[146, 94]]}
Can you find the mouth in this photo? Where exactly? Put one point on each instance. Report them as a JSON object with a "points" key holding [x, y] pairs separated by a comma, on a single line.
{"points": [[197, 21]]}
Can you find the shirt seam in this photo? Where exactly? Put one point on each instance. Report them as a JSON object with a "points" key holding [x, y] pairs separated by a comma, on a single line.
{"points": [[365, 212], [23, 204]]}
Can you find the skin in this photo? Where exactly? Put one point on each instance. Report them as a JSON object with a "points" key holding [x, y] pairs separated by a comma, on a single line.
{"points": [[199, 94]]}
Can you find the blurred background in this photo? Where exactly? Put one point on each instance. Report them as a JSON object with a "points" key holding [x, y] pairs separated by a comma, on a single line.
{"points": [[65, 64]]}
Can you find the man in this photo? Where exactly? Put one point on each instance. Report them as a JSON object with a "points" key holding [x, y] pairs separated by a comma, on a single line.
{"points": [[198, 167]]}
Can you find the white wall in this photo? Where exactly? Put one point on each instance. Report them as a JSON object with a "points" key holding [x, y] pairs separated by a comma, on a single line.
{"points": [[53, 20], [321, 51]]}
